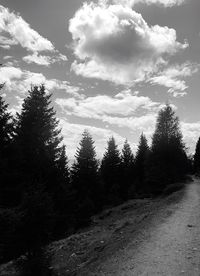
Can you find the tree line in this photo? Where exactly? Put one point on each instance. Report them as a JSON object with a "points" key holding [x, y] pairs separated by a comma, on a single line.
{"points": [[42, 199]]}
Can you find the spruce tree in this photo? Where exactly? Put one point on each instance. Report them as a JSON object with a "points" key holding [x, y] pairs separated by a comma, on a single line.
{"points": [[111, 172], [85, 179], [127, 170], [42, 162], [6, 138], [140, 163], [6, 125], [168, 158], [197, 158], [38, 137]]}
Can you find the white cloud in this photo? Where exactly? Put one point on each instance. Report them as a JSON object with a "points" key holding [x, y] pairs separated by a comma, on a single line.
{"points": [[9, 74], [6, 42], [123, 104], [191, 133], [174, 78], [14, 30], [21, 32], [113, 42], [72, 136], [40, 60], [125, 110], [44, 60], [131, 3], [19, 81]]}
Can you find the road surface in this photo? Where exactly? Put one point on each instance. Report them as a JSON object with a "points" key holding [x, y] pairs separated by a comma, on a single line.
{"points": [[169, 247]]}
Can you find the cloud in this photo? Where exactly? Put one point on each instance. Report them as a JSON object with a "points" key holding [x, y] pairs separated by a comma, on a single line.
{"points": [[19, 81], [9, 74], [174, 78], [72, 136], [40, 60], [191, 134], [21, 32], [113, 42], [123, 104], [6, 42], [14, 30], [131, 3], [125, 110], [44, 60]]}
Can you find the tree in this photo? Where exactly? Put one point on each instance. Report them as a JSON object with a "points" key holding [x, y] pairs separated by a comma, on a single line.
{"points": [[41, 157], [85, 179], [168, 161], [6, 125], [140, 163], [127, 170], [6, 138], [197, 158], [111, 172], [38, 138]]}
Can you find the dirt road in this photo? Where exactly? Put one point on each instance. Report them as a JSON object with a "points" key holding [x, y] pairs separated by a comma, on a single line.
{"points": [[169, 245], [142, 237]]}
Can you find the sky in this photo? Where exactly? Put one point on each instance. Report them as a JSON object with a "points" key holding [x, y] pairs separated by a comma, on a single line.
{"points": [[109, 64]]}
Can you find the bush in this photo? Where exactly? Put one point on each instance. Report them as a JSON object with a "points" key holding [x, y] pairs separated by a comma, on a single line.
{"points": [[173, 188], [10, 235], [38, 219]]}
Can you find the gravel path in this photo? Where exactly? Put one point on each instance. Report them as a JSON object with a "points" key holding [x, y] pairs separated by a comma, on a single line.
{"points": [[170, 246]]}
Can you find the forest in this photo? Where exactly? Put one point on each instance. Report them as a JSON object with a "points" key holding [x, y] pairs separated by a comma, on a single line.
{"points": [[42, 199]]}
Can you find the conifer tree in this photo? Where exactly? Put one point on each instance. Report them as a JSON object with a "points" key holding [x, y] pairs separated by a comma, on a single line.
{"points": [[127, 155], [6, 125], [197, 158], [41, 156], [168, 158], [111, 172], [140, 163], [127, 170], [6, 136], [38, 137], [85, 179]]}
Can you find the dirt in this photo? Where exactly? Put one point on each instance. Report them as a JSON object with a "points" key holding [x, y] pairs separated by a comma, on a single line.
{"points": [[141, 237], [169, 244]]}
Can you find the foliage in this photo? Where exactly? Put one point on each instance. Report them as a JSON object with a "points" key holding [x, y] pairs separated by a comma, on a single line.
{"points": [[197, 158], [6, 151], [127, 171], [10, 234], [38, 218], [111, 172], [140, 162], [168, 161], [85, 179]]}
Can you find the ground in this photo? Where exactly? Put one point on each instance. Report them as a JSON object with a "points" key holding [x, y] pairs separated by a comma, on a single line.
{"points": [[141, 237]]}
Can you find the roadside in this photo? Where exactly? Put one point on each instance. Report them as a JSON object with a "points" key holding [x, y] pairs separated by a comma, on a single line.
{"points": [[99, 250], [131, 239]]}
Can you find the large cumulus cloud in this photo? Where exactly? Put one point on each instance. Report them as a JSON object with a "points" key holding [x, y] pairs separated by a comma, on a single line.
{"points": [[113, 42]]}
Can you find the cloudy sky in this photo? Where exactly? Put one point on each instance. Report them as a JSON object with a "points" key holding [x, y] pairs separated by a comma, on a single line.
{"points": [[110, 64]]}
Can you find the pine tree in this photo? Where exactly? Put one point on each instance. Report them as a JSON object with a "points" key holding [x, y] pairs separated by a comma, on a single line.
{"points": [[85, 179], [168, 158], [127, 170], [197, 158], [111, 172], [140, 163]]}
